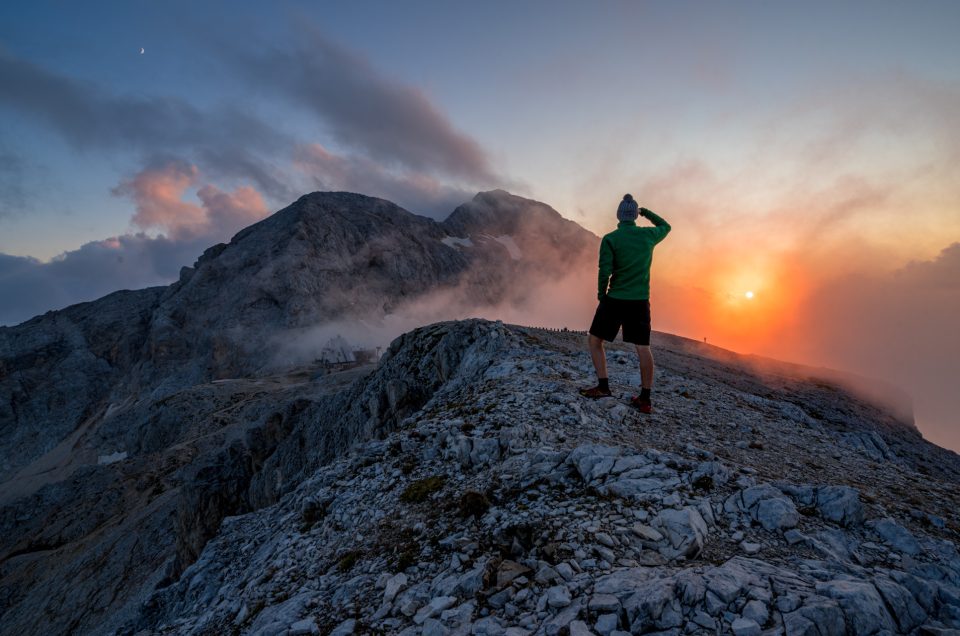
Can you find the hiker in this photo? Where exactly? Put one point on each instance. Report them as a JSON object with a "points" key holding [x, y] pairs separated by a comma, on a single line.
{"points": [[624, 295]]}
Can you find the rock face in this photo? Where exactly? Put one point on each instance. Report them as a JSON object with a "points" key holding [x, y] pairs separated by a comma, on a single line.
{"points": [[161, 478]]}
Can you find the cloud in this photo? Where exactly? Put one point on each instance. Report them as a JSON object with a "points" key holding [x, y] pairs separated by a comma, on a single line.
{"points": [[230, 142], [392, 123], [231, 211], [131, 261], [13, 172], [896, 326], [134, 260], [415, 191], [158, 194], [392, 127], [901, 327]]}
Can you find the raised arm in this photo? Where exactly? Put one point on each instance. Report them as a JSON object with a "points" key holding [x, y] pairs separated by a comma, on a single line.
{"points": [[660, 227]]}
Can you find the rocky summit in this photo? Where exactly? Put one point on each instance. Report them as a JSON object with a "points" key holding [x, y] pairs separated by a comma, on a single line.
{"points": [[158, 477], [501, 502]]}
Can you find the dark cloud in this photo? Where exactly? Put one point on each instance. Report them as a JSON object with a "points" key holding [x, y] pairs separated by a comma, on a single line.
{"points": [[228, 140], [13, 173], [30, 287], [393, 123]]}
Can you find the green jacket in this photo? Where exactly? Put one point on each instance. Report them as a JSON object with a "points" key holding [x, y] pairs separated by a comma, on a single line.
{"points": [[625, 257]]}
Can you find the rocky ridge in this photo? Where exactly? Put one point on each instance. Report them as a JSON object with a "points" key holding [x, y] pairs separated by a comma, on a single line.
{"points": [[503, 503]]}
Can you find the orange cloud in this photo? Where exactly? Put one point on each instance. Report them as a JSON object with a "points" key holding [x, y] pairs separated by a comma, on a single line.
{"points": [[158, 193]]}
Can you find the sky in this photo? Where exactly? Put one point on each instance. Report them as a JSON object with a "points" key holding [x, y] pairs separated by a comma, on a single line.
{"points": [[808, 153]]}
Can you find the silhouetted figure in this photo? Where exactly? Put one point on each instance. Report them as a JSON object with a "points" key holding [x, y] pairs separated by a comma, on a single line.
{"points": [[624, 294]]}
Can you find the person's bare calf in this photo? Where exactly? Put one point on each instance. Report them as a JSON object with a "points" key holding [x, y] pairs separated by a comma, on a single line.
{"points": [[599, 357], [645, 355], [642, 401]]}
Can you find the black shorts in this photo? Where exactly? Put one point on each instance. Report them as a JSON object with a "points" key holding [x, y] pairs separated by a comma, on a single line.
{"points": [[632, 315]]}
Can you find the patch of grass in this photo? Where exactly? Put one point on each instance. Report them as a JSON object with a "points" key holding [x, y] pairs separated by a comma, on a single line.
{"points": [[408, 465], [420, 490], [473, 504], [255, 609], [348, 560], [311, 512], [407, 558], [704, 483]]}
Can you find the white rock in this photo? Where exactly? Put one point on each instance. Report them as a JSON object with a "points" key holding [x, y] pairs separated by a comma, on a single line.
{"points": [[558, 596], [606, 623], [308, 627], [603, 603], [750, 548], [434, 607], [565, 570], [393, 586], [745, 627], [343, 629], [579, 628], [605, 539], [646, 532]]}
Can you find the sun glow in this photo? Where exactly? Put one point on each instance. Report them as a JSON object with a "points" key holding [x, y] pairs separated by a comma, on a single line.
{"points": [[745, 304]]}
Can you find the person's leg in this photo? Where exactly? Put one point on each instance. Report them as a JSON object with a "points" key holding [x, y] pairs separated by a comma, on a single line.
{"points": [[599, 356], [637, 331], [604, 327], [645, 355]]}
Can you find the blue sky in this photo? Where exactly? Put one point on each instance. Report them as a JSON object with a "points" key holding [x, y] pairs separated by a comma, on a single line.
{"points": [[552, 91]]}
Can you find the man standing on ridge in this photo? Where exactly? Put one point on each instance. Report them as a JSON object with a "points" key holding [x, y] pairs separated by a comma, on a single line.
{"points": [[624, 294]]}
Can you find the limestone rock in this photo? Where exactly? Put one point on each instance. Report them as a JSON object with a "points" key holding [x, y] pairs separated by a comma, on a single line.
{"points": [[840, 504]]}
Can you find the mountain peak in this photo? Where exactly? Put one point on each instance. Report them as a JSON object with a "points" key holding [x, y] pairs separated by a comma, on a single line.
{"points": [[318, 209]]}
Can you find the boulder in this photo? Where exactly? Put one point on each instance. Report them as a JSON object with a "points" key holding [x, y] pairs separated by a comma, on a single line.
{"points": [[840, 504], [567, 615], [905, 609], [745, 627], [685, 529], [896, 536], [645, 606], [558, 596], [862, 605], [824, 615], [776, 514], [593, 460]]}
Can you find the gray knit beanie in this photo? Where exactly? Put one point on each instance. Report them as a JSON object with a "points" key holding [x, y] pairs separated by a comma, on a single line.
{"points": [[628, 209]]}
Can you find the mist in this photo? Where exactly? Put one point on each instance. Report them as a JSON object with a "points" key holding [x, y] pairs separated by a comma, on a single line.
{"points": [[896, 328]]}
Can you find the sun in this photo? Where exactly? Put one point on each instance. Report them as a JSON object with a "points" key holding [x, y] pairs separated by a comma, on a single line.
{"points": [[749, 295]]}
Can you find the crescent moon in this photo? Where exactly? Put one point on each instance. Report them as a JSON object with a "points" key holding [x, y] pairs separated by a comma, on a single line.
{"points": [[141, 51]]}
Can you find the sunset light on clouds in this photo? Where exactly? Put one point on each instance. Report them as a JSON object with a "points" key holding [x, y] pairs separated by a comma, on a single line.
{"points": [[807, 155]]}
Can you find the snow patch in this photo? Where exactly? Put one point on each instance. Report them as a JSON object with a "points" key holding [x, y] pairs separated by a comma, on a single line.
{"points": [[456, 242], [507, 241], [112, 458]]}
